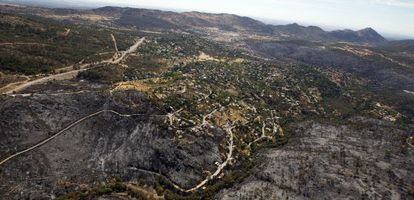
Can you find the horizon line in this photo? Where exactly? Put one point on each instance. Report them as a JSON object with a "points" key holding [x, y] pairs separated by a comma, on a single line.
{"points": [[265, 20]]}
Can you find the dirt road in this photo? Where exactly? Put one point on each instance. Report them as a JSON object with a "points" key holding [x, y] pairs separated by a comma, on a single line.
{"points": [[65, 129], [202, 183], [124, 54]]}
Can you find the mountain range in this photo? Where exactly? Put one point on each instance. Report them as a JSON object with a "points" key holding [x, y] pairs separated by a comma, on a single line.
{"points": [[144, 18], [117, 103]]}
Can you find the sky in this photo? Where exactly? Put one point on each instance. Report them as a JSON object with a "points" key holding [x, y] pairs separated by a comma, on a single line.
{"points": [[389, 17]]}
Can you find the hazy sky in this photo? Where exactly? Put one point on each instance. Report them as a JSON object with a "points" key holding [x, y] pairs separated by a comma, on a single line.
{"points": [[386, 16]]}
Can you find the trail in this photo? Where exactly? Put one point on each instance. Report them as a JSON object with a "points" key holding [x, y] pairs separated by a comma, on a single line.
{"points": [[118, 57], [65, 129], [176, 186], [115, 45]]}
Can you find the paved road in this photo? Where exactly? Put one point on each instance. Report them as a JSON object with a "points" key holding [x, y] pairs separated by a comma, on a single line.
{"points": [[14, 88], [62, 76]]}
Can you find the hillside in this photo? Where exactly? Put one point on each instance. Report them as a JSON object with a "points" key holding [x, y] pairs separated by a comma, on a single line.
{"points": [[126, 103], [157, 19], [143, 18]]}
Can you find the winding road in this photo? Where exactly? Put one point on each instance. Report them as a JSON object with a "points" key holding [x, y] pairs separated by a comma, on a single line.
{"points": [[65, 129], [116, 59], [176, 186]]}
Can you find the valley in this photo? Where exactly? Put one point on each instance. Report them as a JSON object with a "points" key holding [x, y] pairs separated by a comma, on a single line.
{"points": [[128, 103]]}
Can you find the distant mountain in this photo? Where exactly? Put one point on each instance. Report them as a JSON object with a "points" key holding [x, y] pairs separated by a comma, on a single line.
{"points": [[303, 32], [367, 35], [53, 3], [187, 21], [203, 106], [146, 18]]}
